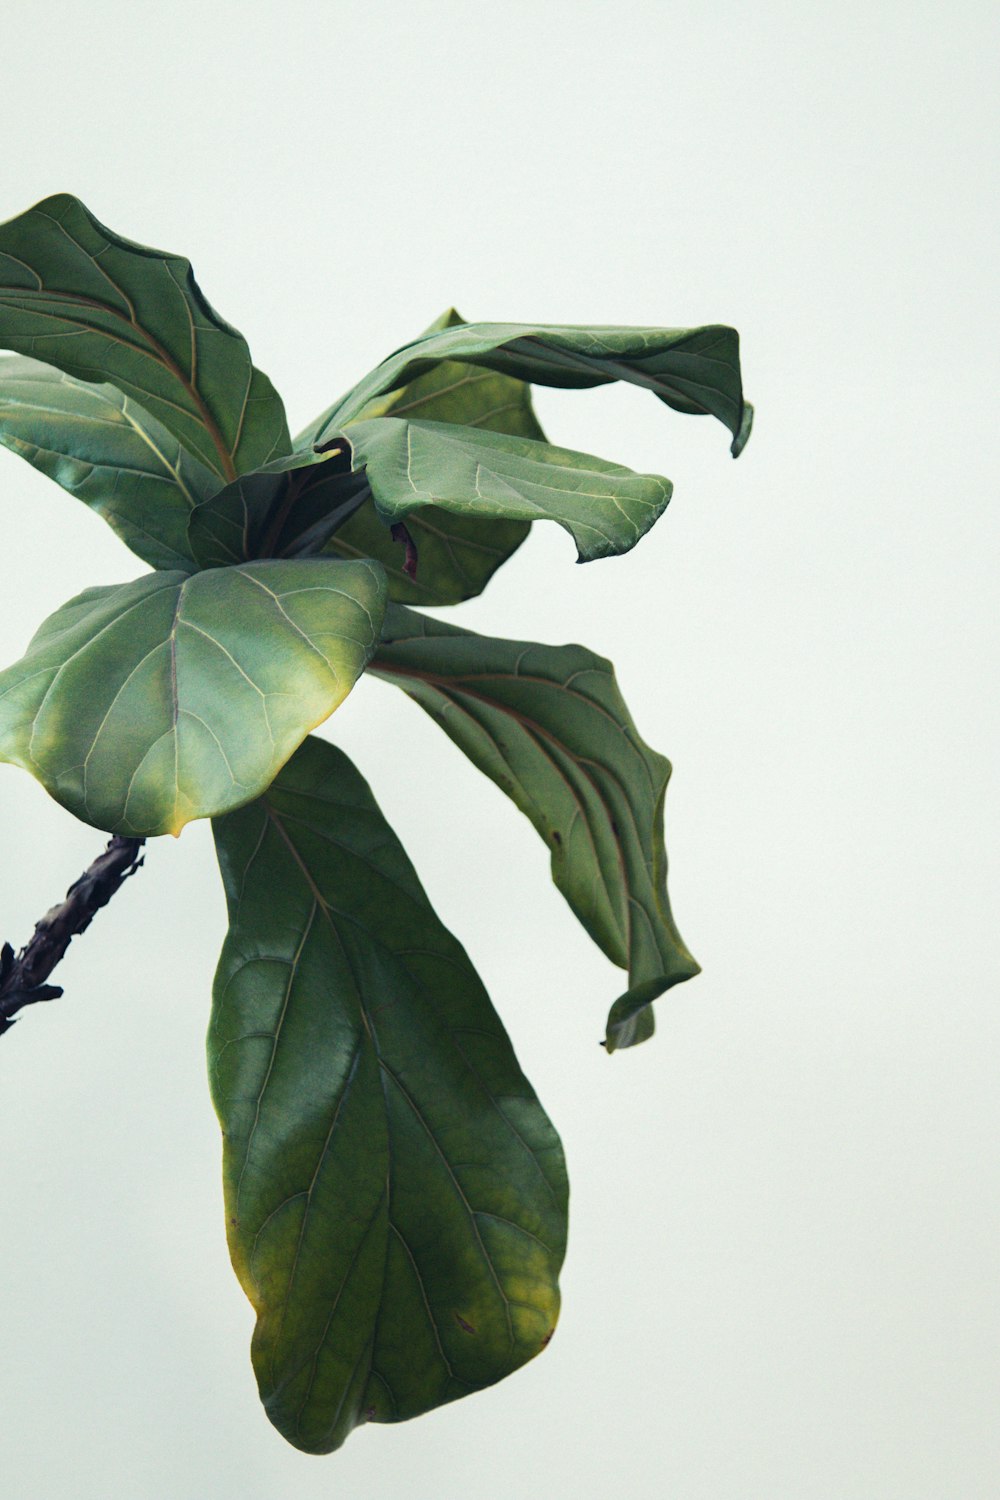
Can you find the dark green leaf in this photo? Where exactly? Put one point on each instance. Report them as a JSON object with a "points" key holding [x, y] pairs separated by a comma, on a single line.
{"points": [[290, 508], [411, 464], [177, 697], [78, 296], [458, 554], [694, 370], [549, 726], [395, 1195], [109, 453]]}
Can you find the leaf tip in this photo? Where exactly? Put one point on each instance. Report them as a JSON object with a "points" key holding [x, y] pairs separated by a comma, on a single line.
{"points": [[742, 434]]}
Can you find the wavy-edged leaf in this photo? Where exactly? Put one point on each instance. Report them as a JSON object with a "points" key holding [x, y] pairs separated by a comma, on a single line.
{"points": [[76, 295], [395, 1194], [458, 554], [694, 370], [411, 464], [108, 452], [549, 726], [180, 696]]}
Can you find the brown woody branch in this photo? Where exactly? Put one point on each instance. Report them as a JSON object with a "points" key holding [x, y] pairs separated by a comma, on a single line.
{"points": [[22, 978]]}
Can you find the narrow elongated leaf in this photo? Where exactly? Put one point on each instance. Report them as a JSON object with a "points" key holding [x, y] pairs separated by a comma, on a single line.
{"points": [[76, 295], [410, 464], [108, 452], [458, 554], [177, 697], [395, 1195], [694, 370], [549, 726]]}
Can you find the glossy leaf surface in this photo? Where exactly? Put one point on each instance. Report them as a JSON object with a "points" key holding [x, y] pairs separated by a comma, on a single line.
{"points": [[108, 452], [77, 296], [694, 370], [177, 697], [411, 464], [549, 726], [395, 1194]]}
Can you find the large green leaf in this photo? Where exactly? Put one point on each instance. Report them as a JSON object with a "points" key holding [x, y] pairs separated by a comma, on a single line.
{"points": [[694, 370], [412, 464], [78, 296], [177, 697], [549, 726], [458, 555], [395, 1195], [108, 452]]}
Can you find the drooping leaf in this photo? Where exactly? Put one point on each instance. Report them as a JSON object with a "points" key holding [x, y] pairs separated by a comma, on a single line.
{"points": [[180, 696], [458, 554], [395, 1195], [694, 370], [101, 308], [410, 464], [549, 726], [107, 451]]}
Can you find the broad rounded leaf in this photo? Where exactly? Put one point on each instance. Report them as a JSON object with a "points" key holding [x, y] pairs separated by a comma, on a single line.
{"points": [[177, 697], [549, 726], [411, 464], [694, 370], [78, 296], [395, 1195], [108, 452]]}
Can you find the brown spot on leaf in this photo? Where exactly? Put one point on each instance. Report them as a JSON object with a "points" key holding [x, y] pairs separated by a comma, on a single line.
{"points": [[369, 1413], [547, 1339], [465, 1327], [556, 838]]}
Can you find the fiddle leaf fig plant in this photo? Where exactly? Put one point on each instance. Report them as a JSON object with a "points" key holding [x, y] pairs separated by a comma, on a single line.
{"points": [[396, 1196]]}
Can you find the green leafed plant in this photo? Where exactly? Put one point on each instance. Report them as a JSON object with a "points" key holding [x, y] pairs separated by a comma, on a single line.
{"points": [[395, 1193]]}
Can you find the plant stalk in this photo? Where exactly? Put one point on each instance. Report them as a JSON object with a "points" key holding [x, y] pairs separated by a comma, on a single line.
{"points": [[22, 978]]}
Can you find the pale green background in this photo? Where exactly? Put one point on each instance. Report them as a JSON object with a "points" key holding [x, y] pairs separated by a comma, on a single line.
{"points": [[782, 1279]]}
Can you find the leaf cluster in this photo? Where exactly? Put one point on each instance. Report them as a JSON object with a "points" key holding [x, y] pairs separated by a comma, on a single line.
{"points": [[395, 1194]]}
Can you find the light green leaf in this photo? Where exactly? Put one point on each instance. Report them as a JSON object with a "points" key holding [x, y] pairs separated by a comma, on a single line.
{"points": [[694, 370], [104, 449], [549, 726], [177, 697], [395, 1195], [101, 308], [458, 554], [410, 464]]}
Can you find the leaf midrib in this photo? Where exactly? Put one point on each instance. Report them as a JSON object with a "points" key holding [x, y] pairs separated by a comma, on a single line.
{"points": [[156, 352]]}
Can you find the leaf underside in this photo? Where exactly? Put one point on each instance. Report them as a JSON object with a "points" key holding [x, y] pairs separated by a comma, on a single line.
{"points": [[549, 726], [175, 697], [395, 1195]]}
